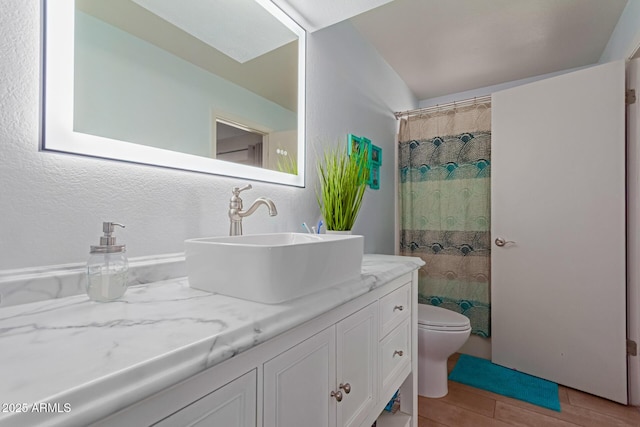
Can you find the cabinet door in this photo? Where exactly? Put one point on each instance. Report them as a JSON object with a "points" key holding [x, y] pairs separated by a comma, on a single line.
{"points": [[233, 405], [356, 350], [298, 384]]}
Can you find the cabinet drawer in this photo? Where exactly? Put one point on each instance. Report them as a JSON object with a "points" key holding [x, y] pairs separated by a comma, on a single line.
{"points": [[394, 308], [395, 354]]}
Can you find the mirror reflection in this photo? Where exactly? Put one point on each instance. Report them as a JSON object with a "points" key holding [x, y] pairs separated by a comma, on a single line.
{"points": [[215, 79]]}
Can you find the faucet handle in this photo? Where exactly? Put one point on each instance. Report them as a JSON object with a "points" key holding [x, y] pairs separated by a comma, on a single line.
{"points": [[236, 190]]}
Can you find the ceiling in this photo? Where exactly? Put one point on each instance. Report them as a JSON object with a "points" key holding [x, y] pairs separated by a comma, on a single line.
{"points": [[441, 47]]}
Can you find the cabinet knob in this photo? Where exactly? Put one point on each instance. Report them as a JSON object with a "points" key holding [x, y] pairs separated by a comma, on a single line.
{"points": [[346, 387], [398, 307], [398, 352], [337, 395]]}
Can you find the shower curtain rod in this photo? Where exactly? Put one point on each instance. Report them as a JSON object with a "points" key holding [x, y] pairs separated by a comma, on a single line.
{"points": [[447, 106]]}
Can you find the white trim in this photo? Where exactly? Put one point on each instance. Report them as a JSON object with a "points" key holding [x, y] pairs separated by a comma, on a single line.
{"points": [[633, 232]]}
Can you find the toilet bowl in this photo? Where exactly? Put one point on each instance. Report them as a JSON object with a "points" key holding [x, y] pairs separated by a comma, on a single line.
{"points": [[441, 333]]}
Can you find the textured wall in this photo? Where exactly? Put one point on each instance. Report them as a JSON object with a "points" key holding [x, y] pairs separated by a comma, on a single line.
{"points": [[52, 205]]}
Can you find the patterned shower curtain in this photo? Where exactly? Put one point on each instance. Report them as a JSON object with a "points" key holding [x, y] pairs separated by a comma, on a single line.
{"points": [[445, 177]]}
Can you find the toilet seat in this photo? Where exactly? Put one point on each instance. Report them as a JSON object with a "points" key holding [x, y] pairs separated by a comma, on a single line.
{"points": [[441, 319]]}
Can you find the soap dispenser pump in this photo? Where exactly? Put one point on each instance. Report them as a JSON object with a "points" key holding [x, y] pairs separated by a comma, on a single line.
{"points": [[107, 267]]}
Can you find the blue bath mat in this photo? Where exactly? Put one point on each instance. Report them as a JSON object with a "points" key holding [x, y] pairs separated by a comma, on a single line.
{"points": [[481, 373]]}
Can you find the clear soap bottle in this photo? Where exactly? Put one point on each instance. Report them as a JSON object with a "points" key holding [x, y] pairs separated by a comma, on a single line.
{"points": [[107, 267]]}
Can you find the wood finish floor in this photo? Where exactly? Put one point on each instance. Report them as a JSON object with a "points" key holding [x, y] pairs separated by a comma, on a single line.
{"points": [[469, 406]]}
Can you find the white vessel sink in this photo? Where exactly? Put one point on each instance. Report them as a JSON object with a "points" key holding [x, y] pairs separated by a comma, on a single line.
{"points": [[272, 268]]}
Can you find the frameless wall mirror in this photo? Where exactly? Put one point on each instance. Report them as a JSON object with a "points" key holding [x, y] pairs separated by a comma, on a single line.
{"points": [[211, 86]]}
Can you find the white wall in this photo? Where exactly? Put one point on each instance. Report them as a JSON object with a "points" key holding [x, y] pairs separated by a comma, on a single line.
{"points": [[358, 94], [52, 205]]}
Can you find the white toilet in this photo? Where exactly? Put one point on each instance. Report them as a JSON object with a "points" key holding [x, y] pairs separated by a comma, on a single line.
{"points": [[441, 333]]}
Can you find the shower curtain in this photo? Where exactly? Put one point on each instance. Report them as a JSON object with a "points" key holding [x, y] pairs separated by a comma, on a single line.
{"points": [[445, 177]]}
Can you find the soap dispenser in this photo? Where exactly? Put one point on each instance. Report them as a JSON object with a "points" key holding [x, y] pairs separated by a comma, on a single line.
{"points": [[107, 267]]}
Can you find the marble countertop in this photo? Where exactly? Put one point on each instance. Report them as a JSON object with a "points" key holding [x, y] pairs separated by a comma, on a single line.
{"points": [[84, 360]]}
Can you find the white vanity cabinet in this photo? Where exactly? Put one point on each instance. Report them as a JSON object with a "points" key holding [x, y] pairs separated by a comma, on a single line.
{"points": [[327, 380], [338, 369]]}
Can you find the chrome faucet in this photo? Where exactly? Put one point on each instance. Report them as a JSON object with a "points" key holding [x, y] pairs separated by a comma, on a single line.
{"points": [[236, 213]]}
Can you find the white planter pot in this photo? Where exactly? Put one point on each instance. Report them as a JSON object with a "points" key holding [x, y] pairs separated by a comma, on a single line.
{"points": [[339, 232]]}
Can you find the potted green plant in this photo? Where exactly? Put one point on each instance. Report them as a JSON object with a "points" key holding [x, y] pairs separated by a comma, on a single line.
{"points": [[342, 180]]}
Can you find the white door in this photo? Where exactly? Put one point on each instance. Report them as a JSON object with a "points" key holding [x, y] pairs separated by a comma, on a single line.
{"points": [[558, 192], [356, 350], [298, 384]]}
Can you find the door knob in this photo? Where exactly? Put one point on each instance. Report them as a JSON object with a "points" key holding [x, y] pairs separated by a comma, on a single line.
{"points": [[346, 387], [501, 242], [337, 395]]}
